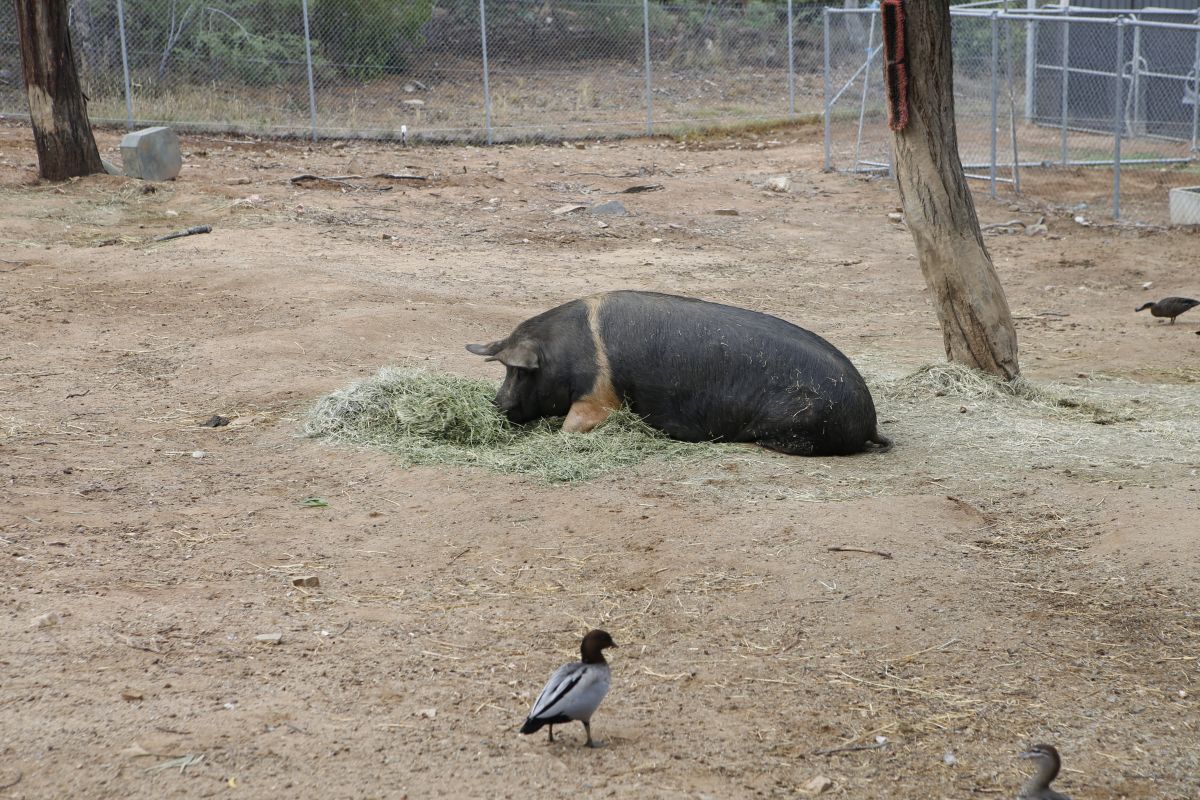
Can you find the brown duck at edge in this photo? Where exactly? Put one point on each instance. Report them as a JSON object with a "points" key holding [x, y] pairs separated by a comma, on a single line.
{"points": [[1169, 307], [1038, 786]]}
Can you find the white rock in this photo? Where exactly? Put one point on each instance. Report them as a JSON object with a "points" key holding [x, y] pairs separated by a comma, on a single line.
{"points": [[47, 620], [780, 183], [818, 785]]}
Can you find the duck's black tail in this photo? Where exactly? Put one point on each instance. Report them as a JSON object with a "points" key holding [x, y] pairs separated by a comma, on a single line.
{"points": [[532, 725]]}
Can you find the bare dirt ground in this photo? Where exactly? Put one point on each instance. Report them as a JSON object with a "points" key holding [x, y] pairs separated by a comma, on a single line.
{"points": [[1049, 604]]}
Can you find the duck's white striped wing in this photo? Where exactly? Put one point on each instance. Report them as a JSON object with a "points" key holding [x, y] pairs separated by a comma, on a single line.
{"points": [[574, 691]]}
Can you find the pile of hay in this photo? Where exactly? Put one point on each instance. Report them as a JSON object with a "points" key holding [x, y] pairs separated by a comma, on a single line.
{"points": [[433, 418]]}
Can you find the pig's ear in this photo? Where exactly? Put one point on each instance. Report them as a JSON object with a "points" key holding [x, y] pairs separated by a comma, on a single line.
{"points": [[520, 354], [490, 349]]}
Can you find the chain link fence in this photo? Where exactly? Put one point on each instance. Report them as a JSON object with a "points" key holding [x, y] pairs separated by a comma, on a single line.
{"points": [[489, 70], [1094, 110], [1085, 108]]}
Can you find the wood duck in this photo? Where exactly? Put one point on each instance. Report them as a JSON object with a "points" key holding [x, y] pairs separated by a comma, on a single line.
{"points": [[1038, 785], [575, 690], [1169, 307]]}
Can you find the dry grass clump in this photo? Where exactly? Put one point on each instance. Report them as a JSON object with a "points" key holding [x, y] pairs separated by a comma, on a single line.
{"points": [[964, 383], [975, 423], [426, 417]]}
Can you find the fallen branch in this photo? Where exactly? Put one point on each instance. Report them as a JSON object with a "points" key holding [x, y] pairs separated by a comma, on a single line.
{"points": [[848, 549], [1012, 223], [851, 749], [189, 232], [395, 176], [341, 180]]}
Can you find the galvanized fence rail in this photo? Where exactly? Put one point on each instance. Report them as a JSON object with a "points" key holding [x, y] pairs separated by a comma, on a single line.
{"points": [[1046, 99]]}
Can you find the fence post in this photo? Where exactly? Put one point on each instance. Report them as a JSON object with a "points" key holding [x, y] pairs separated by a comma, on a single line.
{"points": [[1118, 112], [312, 89], [1136, 124], [125, 64], [1066, 75], [1196, 86], [825, 96], [791, 34], [1012, 107], [649, 83], [487, 89], [1031, 42], [862, 109], [995, 92]]}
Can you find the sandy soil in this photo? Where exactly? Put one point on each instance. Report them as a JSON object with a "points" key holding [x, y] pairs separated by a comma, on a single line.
{"points": [[1050, 606]]}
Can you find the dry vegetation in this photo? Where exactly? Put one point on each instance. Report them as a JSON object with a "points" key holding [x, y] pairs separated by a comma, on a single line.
{"points": [[1021, 568]]}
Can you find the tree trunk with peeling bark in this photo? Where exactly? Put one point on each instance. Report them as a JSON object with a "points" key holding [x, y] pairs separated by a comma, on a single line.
{"points": [[977, 326], [57, 106]]}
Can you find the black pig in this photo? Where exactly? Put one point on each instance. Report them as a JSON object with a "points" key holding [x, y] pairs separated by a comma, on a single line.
{"points": [[698, 371]]}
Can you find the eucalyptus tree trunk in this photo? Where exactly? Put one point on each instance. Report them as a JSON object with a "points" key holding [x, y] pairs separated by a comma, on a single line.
{"points": [[57, 106], [977, 327]]}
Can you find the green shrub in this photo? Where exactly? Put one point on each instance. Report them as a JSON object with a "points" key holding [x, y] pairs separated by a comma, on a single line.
{"points": [[367, 38]]}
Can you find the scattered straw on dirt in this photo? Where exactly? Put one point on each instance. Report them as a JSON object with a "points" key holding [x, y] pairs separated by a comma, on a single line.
{"points": [[1113, 428], [430, 418], [965, 431]]}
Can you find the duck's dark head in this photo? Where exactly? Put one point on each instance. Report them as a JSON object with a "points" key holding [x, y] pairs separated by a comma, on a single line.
{"points": [[593, 646], [1144, 306], [1048, 760]]}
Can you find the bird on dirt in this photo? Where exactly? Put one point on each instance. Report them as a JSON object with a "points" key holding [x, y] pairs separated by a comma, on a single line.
{"points": [[1038, 785], [575, 690], [1169, 307]]}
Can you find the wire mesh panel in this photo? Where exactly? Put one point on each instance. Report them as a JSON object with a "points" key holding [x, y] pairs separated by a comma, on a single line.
{"points": [[12, 94], [237, 64], [382, 66], [977, 83], [1092, 112], [1111, 96], [856, 114], [716, 63], [574, 68]]}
